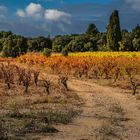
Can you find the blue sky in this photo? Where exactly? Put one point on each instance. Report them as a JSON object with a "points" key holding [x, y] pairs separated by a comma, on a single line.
{"points": [[43, 17]]}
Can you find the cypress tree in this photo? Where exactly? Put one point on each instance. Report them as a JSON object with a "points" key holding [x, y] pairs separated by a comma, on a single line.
{"points": [[114, 32]]}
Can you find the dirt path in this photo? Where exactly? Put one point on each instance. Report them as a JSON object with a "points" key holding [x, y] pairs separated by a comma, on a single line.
{"points": [[108, 114]]}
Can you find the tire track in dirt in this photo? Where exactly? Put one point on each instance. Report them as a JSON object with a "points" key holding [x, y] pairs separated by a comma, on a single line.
{"points": [[108, 114]]}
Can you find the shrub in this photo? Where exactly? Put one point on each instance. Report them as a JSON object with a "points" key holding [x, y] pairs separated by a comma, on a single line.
{"points": [[47, 52], [65, 52]]}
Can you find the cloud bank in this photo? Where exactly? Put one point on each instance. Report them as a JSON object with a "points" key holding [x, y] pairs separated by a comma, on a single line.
{"points": [[44, 19], [36, 11]]}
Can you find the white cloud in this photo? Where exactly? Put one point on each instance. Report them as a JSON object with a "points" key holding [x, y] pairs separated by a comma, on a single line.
{"points": [[21, 13], [54, 15], [3, 11], [34, 10], [38, 12], [134, 3], [44, 19]]}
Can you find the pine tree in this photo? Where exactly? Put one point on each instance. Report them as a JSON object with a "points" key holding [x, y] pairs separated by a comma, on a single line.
{"points": [[114, 32]]}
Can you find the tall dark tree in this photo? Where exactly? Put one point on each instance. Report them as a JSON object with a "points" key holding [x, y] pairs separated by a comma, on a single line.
{"points": [[92, 29], [114, 32]]}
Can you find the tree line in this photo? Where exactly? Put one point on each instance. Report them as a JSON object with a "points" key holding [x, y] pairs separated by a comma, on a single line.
{"points": [[114, 39]]}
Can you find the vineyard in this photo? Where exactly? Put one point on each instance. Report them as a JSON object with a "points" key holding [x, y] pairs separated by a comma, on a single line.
{"points": [[31, 101], [13, 75], [91, 65], [38, 92], [61, 80], [115, 66]]}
